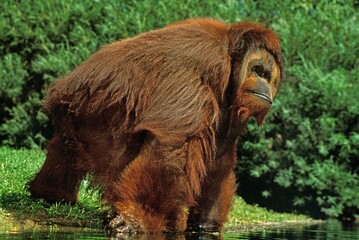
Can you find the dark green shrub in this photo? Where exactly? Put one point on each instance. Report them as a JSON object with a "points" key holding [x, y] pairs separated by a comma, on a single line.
{"points": [[309, 145], [39, 42], [306, 155], [307, 150]]}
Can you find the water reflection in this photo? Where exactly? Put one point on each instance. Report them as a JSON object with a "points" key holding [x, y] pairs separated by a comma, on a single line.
{"points": [[187, 236], [104, 235], [331, 230]]}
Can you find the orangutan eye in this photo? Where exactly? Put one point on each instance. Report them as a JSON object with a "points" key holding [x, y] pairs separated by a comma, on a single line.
{"points": [[260, 71]]}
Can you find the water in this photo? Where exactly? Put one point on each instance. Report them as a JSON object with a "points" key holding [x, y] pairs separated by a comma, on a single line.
{"points": [[331, 230]]}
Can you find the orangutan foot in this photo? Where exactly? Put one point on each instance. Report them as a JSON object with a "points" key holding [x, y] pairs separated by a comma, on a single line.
{"points": [[122, 224], [204, 227]]}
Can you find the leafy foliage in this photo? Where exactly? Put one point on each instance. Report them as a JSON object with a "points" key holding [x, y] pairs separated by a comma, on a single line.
{"points": [[309, 146]]}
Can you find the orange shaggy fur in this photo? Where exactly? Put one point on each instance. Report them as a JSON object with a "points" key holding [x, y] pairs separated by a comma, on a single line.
{"points": [[152, 119]]}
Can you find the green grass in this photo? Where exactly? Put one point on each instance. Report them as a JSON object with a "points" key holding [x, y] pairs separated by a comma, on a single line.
{"points": [[19, 211], [245, 217]]}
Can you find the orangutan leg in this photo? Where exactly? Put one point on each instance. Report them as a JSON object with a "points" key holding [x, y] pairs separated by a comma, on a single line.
{"points": [[217, 193], [152, 194]]}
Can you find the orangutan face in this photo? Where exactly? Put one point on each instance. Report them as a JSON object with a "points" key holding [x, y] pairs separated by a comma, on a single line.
{"points": [[261, 81]]}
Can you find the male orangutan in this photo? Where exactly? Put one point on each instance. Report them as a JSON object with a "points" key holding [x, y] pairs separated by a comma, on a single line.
{"points": [[154, 119]]}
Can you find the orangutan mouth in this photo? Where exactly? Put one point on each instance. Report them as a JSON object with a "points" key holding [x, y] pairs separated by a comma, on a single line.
{"points": [[261, 95]]}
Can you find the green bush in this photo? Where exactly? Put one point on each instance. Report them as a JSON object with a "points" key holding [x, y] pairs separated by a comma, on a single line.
{"points": [[307, 148], [306, 155], [309, 144]]}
